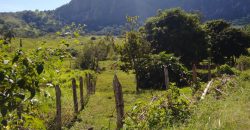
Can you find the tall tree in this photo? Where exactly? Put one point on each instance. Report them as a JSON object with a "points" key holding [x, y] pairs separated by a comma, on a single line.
{"points": [[133, 52], [177, 32], [227, 43]]}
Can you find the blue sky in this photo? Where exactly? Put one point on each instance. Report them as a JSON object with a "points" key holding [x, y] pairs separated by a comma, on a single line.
{"points": [[20, 5]]}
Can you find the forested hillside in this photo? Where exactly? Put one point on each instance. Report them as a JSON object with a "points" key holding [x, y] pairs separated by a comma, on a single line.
{"points": [[98, 13], [30, 23], [111, 14]]}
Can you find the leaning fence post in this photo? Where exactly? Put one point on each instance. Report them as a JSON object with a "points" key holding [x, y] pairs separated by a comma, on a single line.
{"points": [[58, 108], [81, 93], [119, 102], [74, 95], [166, 76]]}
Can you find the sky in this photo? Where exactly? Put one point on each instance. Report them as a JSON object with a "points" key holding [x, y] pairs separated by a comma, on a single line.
{"points": [[20, 5]]}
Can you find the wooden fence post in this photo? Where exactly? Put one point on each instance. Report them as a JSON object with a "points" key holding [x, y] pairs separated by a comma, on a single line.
{"points": [[58, 108], [21, 43], [242, 67], [90, 84], [75, 95], [81, 93], [166, 76], [119, 102], [87, 83], [93, 84]]}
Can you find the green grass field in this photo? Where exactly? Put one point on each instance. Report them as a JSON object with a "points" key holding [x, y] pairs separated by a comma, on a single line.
{"points": [[229, 112]]}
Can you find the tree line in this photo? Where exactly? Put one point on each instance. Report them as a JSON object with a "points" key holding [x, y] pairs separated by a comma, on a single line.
{"points": [[179, 40]]}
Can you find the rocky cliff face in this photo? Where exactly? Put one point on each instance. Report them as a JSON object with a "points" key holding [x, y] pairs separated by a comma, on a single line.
{"points": [[96, 13]]}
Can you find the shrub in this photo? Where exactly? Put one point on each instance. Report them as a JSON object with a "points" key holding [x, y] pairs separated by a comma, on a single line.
{"points": [[163, 111], [243, 63], [91, 55], [151, 71], [93, 38], [225, 69], [73, 52], [245, 76]]}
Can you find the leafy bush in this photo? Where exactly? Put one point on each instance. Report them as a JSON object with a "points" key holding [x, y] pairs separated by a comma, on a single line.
{"points": [[245, 76], [91, 55], [163, 111], [151, 72], [179, 32], [225, 69], [19, 75], [243, 63]]}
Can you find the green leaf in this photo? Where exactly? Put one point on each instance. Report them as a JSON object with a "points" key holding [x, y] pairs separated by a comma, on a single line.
{"points": [[39, 68]]}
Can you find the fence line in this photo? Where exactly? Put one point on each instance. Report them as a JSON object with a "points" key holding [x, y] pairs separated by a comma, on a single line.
{"points": [[90, 86]]}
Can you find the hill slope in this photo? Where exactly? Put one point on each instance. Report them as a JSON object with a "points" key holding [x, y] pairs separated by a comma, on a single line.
{"points": [[29, 23], [96, 13]]}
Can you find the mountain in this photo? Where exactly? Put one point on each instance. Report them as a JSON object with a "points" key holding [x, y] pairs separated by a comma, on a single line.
{"points": [[100, 13], [30, 23]]}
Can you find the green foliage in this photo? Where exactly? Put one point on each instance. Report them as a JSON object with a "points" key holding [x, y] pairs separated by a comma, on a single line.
{"points": [[72, 30], [247, 29], [132, 22], [7, 33], [19, 74], [162, 112], [177, 32], [133, 52], [226, 42], [226, 110], [108, 13], [151, 71], [225, 69], [31, 23], [91, 54], [243, 62]]}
